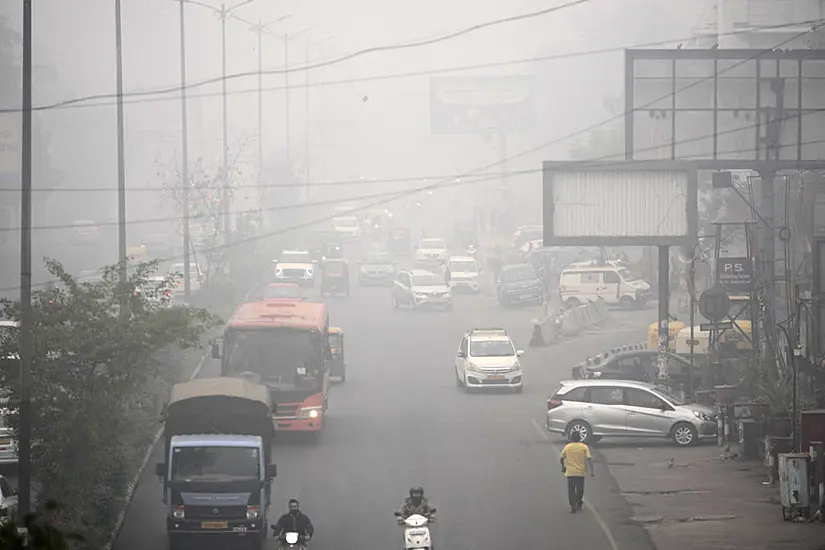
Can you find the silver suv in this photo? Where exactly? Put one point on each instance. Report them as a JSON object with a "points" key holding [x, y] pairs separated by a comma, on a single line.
{"points": [[624, 408]]}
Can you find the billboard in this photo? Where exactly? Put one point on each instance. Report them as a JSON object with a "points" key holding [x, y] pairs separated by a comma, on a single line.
{"points": [[619, 204], [482, 104]]}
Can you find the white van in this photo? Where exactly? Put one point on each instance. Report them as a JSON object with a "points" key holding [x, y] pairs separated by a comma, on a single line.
{"points": [[616, 285]]}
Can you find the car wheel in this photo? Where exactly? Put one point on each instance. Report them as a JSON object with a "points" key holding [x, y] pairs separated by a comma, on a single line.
{"points": [[584, 429], [627, 302], [685, 435]]}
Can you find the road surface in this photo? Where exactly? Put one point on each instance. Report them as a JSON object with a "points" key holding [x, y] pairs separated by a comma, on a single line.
{"points": [[400, 420]]}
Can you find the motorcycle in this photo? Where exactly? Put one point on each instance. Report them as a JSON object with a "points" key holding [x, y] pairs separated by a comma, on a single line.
{"points": [[293, 541], [416, 531]]}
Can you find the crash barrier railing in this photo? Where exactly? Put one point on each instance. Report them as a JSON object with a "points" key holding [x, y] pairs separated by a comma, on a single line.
{"points": [[552, 325], [582, 369]]}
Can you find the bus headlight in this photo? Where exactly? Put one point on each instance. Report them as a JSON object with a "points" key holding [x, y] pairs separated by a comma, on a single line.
{"points": [[310, 412]]}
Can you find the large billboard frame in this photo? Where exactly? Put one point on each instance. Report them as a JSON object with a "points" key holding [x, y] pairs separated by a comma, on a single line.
{"points": [[758, 153], [549, 168]]}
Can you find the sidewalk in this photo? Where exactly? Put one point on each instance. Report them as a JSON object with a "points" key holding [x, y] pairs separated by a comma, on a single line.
{"points": [[702, 497]]}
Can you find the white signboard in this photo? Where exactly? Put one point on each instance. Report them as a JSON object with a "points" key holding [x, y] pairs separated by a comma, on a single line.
{"points": [[10, 130]]}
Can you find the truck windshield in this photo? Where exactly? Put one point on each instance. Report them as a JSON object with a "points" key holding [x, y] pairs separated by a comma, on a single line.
{"points": [[276, 355], [215, 464]]}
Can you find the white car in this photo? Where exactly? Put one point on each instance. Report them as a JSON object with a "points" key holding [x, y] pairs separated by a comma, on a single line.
{"points": [[157, 291], [348, 227], [431, 251], [487, 358], [616, 285], [295, 266], [463, 274], [195, 277]]}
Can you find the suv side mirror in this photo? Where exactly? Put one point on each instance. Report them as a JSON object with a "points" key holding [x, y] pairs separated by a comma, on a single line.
{"points": [[461, 354], [519, 353], [271, 471], [160, 469]]}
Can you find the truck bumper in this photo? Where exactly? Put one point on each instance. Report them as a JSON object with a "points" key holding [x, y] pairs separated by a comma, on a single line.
{"points": [[299, 424], [228, 528]]}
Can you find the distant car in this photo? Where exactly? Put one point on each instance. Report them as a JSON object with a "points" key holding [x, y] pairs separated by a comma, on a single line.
{"points": [[463, 274], [283, 292], [418, 288], [431, 251], [639, 365], [487, 358], [377, 268], [157, 291], [196, 277], [85, 232], [519, 284], [624, 408], [348, 227], [295, 266]]}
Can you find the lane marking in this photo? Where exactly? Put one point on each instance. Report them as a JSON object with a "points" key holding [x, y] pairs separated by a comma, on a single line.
{"points": [[602, 524]]}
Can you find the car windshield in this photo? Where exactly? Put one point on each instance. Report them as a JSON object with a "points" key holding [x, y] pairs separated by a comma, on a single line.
{"points": [[627, 275], [491, 348], [523, 273], [669, 396], [294, 258], [350, 221], [378, 259], [428, 279], [463, 266], [283, 291], [215, 464], [433, 244]]}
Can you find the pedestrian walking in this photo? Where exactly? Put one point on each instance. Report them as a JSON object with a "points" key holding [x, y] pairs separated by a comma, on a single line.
{"points": [[575, 463]]}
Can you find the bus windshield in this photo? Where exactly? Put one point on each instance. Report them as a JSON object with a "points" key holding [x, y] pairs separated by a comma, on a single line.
{"points": [[275, 355]]}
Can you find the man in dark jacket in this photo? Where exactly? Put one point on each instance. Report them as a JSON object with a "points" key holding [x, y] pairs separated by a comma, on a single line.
{"points": [[293, 522], [415, 504]]}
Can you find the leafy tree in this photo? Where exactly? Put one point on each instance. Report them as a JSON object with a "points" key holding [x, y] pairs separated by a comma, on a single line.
{"points": [[41, 533], [93, 374]]}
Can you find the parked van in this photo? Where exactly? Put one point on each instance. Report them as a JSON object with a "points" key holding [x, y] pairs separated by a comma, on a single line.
{"points": [[616, 285]]}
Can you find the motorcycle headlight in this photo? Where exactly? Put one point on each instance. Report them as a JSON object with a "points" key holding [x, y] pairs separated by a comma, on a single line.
{"points": [[310, 412]]}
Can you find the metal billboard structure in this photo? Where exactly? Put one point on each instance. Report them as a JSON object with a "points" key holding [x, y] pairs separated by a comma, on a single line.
{"points": [[482, 104]]}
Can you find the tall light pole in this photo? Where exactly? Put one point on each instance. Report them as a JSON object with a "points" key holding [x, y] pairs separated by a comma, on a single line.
{"points": [[121, 157], [184, 122], [27, 317], [286, 40]]}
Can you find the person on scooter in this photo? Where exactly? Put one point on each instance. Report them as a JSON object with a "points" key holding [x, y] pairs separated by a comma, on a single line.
{"points": [[293, 521], [415, 504]]}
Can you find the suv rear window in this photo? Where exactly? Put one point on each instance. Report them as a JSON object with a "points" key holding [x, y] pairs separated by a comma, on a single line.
{"points": [[576, 394]]}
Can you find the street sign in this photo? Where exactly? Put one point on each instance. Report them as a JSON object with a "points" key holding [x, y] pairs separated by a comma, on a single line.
{"points": [[735, 274], [714, 304], [707, 327]]}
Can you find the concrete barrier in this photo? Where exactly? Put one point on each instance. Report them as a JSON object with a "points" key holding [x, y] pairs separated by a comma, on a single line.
{"points": [[569, 323], [545, 329], [601, 307]]}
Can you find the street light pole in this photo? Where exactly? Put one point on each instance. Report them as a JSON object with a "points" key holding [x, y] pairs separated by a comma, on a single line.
{"points": [[27, 317], [121, 160], [184, 121]]}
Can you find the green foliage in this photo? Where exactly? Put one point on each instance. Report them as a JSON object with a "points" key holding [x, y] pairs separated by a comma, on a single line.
{"points": [[42, 534], [93, 371]]}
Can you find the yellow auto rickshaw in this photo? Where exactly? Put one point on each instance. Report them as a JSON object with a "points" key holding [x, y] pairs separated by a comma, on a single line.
{"points": [[653, 334], [336, 343]]}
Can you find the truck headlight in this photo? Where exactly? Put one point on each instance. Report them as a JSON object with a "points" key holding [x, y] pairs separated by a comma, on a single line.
{"points": [[177, 512], [310, 412], [253, 512]]}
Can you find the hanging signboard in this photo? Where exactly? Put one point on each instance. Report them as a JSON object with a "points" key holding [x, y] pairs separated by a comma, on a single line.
{"points": [[735, 274]]}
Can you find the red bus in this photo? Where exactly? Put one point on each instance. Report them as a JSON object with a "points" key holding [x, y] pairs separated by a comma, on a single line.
{"points": [[285, 346]]}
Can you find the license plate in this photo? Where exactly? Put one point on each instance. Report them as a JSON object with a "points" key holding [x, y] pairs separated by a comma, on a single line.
{"points": [[5, 440], [496, 377], [239, 529], [524, 297], [214, 525]]}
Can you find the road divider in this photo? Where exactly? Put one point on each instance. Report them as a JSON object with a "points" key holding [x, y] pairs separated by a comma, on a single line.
{"points": [[551, 325]]}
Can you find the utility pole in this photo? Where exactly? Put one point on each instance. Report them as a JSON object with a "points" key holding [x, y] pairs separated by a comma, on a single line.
{"points": [[27, 317], [225, 178], [121, 157], [184, 121]]}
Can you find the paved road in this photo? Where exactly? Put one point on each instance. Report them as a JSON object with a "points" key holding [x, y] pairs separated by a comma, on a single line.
{"points": [[399, 420]]}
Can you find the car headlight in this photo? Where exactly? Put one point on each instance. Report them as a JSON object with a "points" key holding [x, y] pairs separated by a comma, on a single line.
{"points": [[471, 367], [177, 512], [703, 416], [516, 367], [253, 512], [310, 412]]}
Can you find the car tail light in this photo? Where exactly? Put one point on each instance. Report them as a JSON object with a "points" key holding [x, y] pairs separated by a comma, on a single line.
{"points": [[553, 403]]}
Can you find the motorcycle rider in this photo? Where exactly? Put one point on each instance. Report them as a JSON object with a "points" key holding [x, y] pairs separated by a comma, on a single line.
{"points": [[415, 504], [293, 521]]}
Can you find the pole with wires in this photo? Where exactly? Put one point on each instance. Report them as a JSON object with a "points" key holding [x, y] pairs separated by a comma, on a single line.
{"points": [[225, 179], [184, 121], [27, 316]]}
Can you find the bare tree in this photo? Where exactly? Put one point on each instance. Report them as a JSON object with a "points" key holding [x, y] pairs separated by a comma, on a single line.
{"points": [[206, 205]]}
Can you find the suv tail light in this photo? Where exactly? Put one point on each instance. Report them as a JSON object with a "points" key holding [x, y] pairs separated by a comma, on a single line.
{"points": [[553, 403]]}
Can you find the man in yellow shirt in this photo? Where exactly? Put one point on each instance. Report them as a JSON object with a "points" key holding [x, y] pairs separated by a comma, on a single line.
{"points": [[575, 463]]}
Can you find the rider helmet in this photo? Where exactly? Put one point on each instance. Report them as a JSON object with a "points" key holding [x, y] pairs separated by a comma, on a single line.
{"points": [[416, 490]]}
